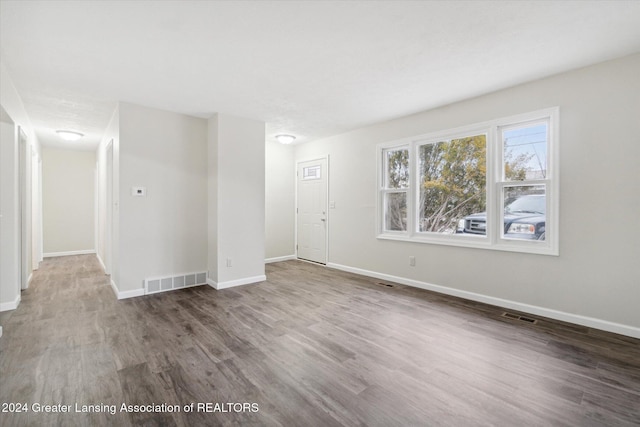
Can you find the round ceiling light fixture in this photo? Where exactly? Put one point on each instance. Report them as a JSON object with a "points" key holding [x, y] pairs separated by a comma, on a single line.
{"points": [[285, 139], [69, 135]]}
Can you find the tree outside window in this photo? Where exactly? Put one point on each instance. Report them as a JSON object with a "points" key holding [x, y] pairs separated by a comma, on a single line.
{"points": [[453, 180], [396, 183]]}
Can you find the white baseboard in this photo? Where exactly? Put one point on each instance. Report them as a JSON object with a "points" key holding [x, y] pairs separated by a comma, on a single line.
{"points": [[238, 282], [279, 259], [114, 287], [55, 254], [126, 294], [131, 294], [6, 306], [101, 263], [577, 319]]}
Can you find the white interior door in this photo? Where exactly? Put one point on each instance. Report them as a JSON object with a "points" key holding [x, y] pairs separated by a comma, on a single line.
{"points": [[312, 210]]}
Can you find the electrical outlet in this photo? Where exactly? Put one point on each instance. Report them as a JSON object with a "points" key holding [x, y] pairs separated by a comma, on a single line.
{"points": [[228, 262], [412, 261]]}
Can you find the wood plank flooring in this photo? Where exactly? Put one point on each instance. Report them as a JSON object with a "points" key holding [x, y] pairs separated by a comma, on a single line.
{"points": [[310, 346]]}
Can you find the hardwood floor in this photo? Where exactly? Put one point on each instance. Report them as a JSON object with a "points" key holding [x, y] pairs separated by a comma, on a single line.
{"points": [[310, 347]]}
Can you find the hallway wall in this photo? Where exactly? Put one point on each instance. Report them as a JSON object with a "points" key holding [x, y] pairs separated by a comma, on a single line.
{"points": [[12, 105], [280, 201], [68, 198], [9, 217], [163, 232]]}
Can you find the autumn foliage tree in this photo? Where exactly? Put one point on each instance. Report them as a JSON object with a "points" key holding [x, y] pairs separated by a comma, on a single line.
{"points": [[452, 180], [397, 175]]}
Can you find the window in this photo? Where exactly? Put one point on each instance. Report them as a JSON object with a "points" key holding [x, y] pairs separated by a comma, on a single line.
{"points": [[395, 188], [492, 185], [311, 172], [523, 183], [452, 182]]}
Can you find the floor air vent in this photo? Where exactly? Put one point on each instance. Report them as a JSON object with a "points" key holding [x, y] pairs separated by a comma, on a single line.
{"points": [[170, 283], [386, 285], [518, 317]]}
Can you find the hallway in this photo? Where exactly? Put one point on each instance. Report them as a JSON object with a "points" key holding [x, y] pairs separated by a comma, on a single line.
{"points": [[61, 344]]}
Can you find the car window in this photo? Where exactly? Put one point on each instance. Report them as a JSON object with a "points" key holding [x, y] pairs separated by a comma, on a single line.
{"points": [[528, 204]]}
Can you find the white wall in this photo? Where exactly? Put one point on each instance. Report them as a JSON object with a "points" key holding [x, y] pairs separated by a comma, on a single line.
{"points": [[236, 200], [212, 197], [280, 200], [68, 201], [12, 104], [9, 217], [175, 157], [163, 233], [107, 218], [595, 279]]}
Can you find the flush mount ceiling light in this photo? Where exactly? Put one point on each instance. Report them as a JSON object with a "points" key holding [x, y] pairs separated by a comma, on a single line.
{"points": [[285, 139], [69, 135]]}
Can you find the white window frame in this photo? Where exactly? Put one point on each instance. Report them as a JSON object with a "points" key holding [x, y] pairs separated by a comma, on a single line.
{"points": [[494, 239], [382, 161]]}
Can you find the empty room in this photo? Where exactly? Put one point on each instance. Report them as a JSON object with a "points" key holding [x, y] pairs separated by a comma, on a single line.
{"points": [[319, 213]]}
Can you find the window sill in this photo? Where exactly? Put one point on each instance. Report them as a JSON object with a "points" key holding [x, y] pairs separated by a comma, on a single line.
{"points": [[529, 247]]}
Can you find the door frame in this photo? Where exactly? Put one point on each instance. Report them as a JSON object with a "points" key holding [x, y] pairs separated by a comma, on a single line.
{"points": [[295, 208], [108, 220], [24, 200], [36, 209]]}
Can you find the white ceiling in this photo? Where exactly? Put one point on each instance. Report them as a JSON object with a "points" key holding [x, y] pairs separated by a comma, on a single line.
{"points": [[309, 68]]}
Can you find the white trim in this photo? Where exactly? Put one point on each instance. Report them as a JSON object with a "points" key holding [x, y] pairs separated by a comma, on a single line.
{"points": [[239, 282], [618, 328], [101, 263], [114, 287], [6, 306], [68, 253], [477, 242], [96, 203], [131, 294], [280, 259], [126, 294]]}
